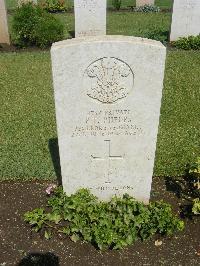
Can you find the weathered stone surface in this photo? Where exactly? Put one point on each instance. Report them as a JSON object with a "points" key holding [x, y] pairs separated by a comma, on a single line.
{"points": [[4, 35], [185, 19], [108, 93], [144, 2], [90, 17]]}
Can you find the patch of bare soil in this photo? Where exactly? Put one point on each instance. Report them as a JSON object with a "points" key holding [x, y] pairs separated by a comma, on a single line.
{"points": [[13, 48], [7, 48], [20, 246]]}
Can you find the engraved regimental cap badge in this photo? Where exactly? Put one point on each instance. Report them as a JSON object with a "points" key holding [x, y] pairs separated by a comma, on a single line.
{"points": [[108, 80]]}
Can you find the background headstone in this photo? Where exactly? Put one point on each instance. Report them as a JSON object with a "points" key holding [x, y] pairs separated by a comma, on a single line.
{"points": [[144, 2], [90, 17], [108, 93], [4, 34], [185, 19]]}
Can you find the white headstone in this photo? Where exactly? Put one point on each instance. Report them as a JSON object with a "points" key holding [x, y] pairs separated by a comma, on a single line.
{"points": [[4, 34], [185, 19], [144, 2], [108, 93], [90, 17]]}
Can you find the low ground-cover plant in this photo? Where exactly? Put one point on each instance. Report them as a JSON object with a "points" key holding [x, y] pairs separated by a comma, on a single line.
{"points": [[114, 224], [158, 35], [196, 206], [147, 9], [188, 43], [33, 26]]}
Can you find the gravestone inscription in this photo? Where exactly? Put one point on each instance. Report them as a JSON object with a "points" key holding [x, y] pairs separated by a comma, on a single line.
{"points": [[4, 34], [185, 19], [90, 17], [108, 93]]}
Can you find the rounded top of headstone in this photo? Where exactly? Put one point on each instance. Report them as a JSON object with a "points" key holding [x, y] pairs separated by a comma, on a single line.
{"points": [[107, 38]]}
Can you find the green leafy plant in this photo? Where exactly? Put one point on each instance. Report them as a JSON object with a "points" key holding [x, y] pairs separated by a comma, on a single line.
{"points": [[114, 224], [33, 26], [147, 9], [188, 43], [117, 4], [158, 35], [49, 30], [196, 206]]}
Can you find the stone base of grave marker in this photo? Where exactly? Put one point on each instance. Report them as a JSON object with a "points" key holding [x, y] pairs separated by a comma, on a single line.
{"points": [[108, 93]]}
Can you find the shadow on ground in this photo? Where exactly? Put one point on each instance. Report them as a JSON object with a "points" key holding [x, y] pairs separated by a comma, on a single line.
{"points": [[72, 33], [39, 259], [183, 188], [54, 151]]}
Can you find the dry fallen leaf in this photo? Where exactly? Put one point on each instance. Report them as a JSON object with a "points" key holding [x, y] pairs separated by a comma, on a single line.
{"points": [[197, 253], [158, 243]]}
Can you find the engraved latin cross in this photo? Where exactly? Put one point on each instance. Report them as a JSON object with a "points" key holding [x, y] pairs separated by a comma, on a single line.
{"points": [[108, 158]]}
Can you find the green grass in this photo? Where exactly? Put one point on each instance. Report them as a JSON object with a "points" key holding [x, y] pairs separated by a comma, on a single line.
{"points": [[164, 3], [29, 121], [179, 133], [136, 24]]}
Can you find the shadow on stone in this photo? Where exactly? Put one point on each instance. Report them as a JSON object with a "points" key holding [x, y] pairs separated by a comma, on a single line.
{"points": [[39, 259], [54, 151]]}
